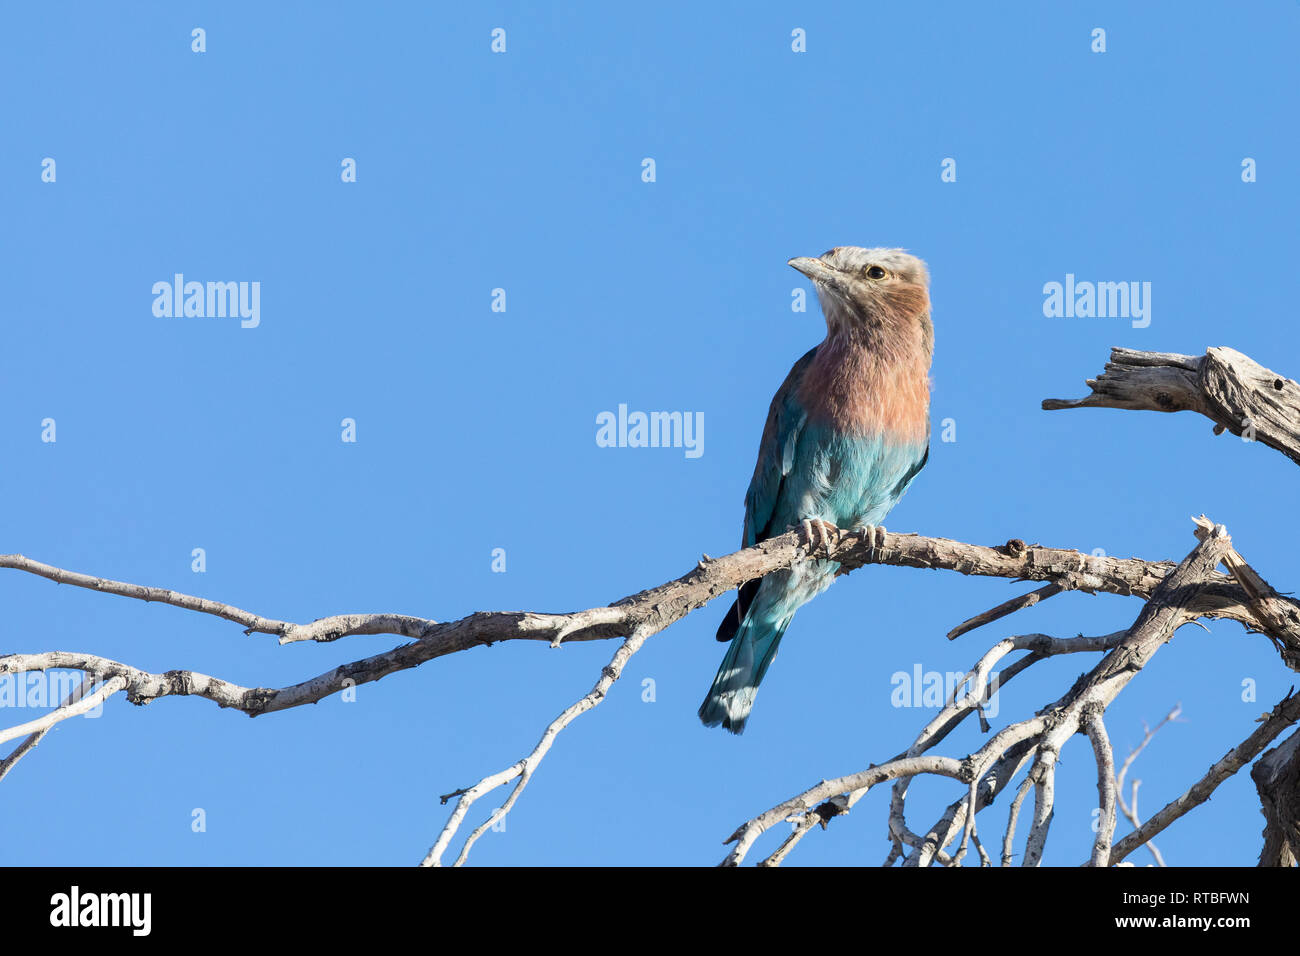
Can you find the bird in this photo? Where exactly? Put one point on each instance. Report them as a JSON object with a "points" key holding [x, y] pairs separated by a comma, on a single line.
{"points": [[846, 433]]}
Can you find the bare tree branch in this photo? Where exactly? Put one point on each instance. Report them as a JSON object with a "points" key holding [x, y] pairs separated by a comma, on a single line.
{"points": [[1005, 608], [1277, 779], [1167, 609], [1235, 392], [1043, 773], [1041, 646], [1224, 385], [70, 708], [325, 629], [745, 836], [1008, 839], [1286, 713], [1270, 613], [73, 696], [525, 768], [1215, 594], [1096, 729], [1130, 807], [1045, 734]]}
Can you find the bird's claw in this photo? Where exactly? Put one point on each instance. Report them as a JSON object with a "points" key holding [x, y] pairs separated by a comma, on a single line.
{"points": [[874, 535], [818, 535]]}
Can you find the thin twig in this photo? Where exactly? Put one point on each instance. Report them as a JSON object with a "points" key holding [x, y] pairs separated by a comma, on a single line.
{"points": [[1130, 807], [525, 768], [1005, 608], [71, 709], [1286, 713], [74, 695]]}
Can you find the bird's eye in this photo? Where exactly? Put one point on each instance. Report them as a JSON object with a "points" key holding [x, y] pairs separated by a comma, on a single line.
{"points": [[876, 272]]}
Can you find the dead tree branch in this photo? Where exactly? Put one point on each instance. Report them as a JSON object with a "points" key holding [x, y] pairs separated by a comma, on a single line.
{"points": [[1221, 597], [1229, 388], [1217, 595], [1174, 602], [1129, 807], [524, 768], [1240, 396], [1286, 713], [1232, 390], [1277, 779]]}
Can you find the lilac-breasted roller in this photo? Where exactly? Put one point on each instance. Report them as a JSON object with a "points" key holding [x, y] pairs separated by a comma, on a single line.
{"points": [[847, 431]]}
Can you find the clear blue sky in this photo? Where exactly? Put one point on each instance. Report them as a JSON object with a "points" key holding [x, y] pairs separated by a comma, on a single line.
{"points": [[476, 429]]}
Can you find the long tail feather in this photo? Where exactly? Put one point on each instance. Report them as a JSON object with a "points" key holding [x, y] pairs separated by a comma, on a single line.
{"points": [[736, 684]]}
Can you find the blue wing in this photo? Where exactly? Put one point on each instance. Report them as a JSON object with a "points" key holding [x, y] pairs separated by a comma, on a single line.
{"points": [[785, 421]]}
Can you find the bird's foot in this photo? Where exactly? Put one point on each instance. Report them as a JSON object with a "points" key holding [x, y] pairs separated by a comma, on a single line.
{"points": [[818, 535], [874, 536]]}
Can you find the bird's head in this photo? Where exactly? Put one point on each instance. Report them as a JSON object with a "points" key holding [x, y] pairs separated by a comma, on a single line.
{"points": [[872, 290]]}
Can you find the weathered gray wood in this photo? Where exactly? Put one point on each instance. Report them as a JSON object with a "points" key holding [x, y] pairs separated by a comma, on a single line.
{"points": [[1277, 780], [1284, 715], [1232, 390], [1229, 388], [1220, 597], [1168, 607]]}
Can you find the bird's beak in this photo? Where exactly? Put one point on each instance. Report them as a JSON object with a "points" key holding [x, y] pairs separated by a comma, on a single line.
{"points": [[818, 271]]}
